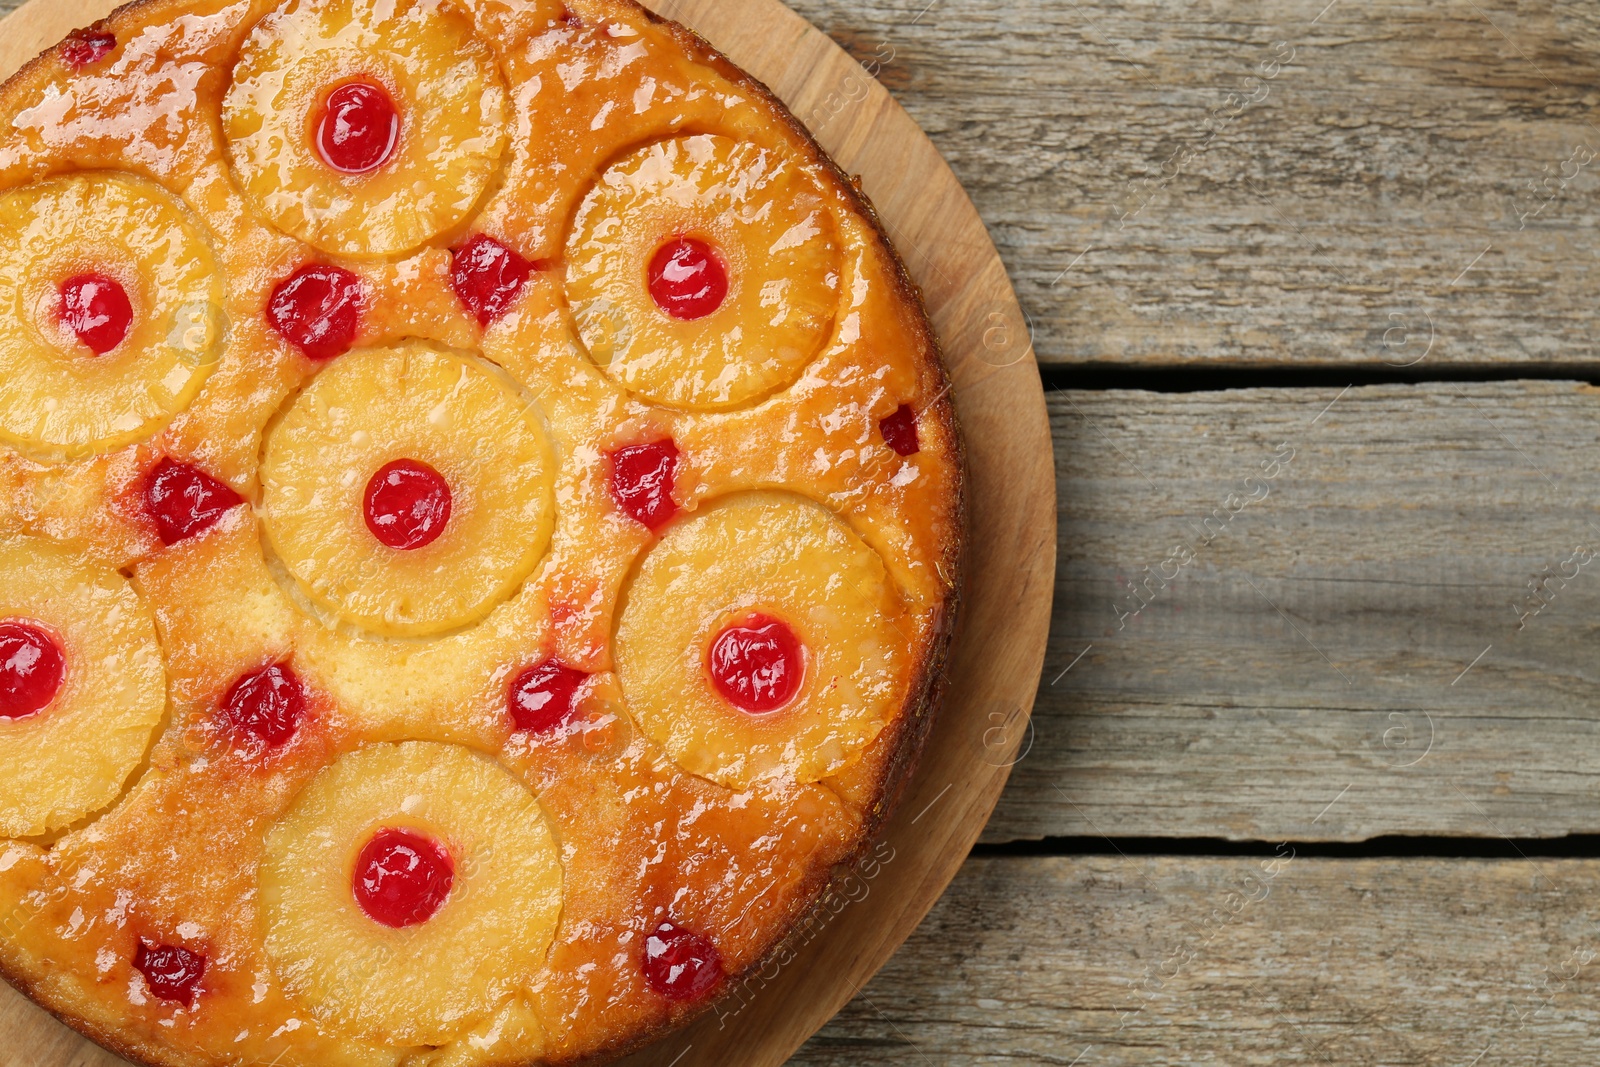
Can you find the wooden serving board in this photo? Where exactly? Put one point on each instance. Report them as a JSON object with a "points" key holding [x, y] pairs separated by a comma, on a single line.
{"points": [[1010, 569]]}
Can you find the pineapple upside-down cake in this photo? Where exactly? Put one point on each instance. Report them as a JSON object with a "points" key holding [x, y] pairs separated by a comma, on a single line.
{"points": [[479, 513]]}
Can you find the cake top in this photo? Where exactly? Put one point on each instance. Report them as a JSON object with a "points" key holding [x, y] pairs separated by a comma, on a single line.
{"points": [[479, 511]]}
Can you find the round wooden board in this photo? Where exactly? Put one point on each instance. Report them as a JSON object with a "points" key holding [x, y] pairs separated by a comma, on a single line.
{"points": [[1010, 567]]}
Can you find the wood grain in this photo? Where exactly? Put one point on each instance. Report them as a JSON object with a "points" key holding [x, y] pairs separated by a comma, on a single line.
{"points": [[1317, 645], [1098, 961], [1325, 222], [996, 655]]}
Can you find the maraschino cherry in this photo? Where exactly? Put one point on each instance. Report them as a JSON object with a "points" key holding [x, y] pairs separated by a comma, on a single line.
{"points": [[32, 667], [97, 310], [264, 707], [544, 698], [757, 665], [359, 129], [680, 964], [688, 279], [184, 501], [900, 431], [487, 277], [642, 480], [402, 878], [84, 48], [407, 505], [318, 310], [171, 971]]}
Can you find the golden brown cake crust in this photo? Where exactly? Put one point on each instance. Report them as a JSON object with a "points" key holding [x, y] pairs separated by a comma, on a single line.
{"points": [[855, 801]]}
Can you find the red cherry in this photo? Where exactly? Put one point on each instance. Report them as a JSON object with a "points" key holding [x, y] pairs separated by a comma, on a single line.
{"points": [[487, 277], [642, 478], [401, 878], [171, 971], [900, 431], [359, 129], [32, 667], [184, 501], [407, 505], [680, 964], [757, 666], [317, 309], [544, 697], [688, 279], [265, 706], [96, 308], [85, 47]]}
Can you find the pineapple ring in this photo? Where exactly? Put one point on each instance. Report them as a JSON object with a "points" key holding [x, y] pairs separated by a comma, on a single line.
{"points": [[74, 757], [453, 104], [138, 234], [428, 983], [777, 555], [449, 411], [776, 238]]}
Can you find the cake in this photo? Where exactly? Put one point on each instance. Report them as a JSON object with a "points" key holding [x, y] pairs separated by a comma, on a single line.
{"points": [[480, 511]]}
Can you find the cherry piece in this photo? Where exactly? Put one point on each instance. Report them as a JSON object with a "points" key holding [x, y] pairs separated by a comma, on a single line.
{"points": [[265, 706], [680, 964], [184, 501], [642, 479], [96, 308], [487, 277], [757, 666], [359, 130], [544, 697], [900, 431], [401, 878], [171, 971], [318, 310], [85, 47], [688, 279], [407, 505], [32, 667]]}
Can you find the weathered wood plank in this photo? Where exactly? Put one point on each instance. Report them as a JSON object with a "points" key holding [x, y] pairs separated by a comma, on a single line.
{"points": [[1316, 642], [1102, 961], [1327, 212]]}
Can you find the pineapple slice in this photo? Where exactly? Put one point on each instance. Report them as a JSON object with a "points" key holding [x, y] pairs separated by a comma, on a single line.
{"points": [[110, 313], [366, 127], [762, 639], [704, 273], [408, 490], [82, 686], [411, 890]]}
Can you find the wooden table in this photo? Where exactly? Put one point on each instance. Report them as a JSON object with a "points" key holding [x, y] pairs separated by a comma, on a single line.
{"points": [[1316, 759], [1313, 775]]}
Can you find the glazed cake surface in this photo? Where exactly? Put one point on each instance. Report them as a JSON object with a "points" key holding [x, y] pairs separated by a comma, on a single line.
{"points": [[479, 519]]}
